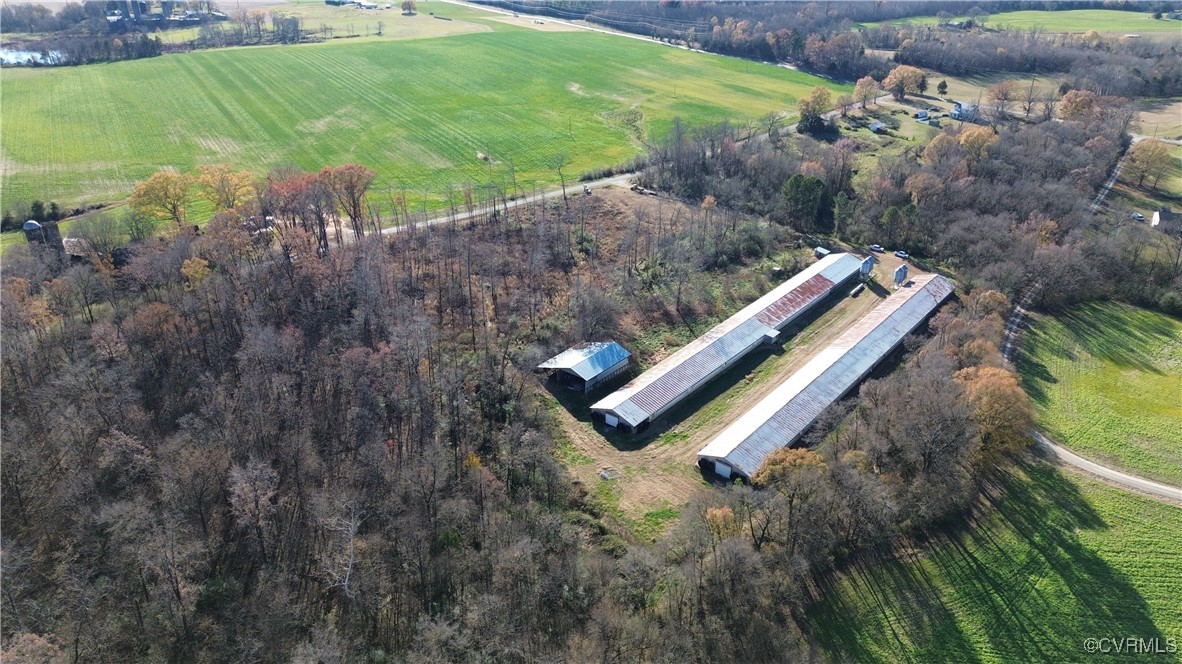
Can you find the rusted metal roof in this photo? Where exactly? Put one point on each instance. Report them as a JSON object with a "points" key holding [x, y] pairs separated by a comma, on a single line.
{"points": [[678, 375], [784, 415]]}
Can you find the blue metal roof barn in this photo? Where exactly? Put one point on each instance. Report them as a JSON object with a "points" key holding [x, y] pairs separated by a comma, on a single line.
{"points": [[784, 415], [590, 364], [677, 376]]}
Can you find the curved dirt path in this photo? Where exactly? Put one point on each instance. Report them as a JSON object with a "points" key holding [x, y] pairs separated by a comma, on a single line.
{"points": [[1170, 494], [1165, 492]]}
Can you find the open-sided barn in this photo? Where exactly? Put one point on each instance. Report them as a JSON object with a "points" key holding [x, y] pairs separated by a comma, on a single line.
{"points": [[587, 365], [784, 415], [677, 376]]}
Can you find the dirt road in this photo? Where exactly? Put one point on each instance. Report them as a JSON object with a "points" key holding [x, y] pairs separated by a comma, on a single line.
{"points": [[1170, 494]]}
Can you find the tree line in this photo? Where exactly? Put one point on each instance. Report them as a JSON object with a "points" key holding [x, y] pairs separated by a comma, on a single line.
{"points": [[1126, 68]]}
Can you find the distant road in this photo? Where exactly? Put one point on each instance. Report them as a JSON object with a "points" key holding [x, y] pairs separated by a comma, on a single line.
{"points": [[1155, 489], [580, 26], [1137, 138], [574, 190]]}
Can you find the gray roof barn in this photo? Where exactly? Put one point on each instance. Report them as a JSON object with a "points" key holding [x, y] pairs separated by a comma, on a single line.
{"points": [[784, 415], [590, 363], [677, 376]]}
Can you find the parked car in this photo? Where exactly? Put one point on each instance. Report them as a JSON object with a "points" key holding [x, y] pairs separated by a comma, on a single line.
{"points": [[1137, 216], [877, 248], [902, 254]]}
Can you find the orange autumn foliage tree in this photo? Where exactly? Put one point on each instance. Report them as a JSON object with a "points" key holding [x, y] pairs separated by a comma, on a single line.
{"points": [[1001, 410]]}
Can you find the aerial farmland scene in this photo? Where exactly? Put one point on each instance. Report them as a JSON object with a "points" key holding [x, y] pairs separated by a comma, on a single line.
{"points": [[686, 331]]}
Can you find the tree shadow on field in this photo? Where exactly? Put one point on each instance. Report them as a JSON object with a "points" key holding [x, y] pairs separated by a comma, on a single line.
{"points": [[1014, 583], [1035, 377], [1112, 333], [1021, 596], [887, 608]]}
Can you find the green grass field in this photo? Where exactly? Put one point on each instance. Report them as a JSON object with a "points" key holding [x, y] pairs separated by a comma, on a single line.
{"points": [[1109, 21], [1106, 381], [1056, 559], [417, 111], [1146, 200]]}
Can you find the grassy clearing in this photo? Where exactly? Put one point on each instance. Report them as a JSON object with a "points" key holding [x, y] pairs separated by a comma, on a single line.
{"points": [[1055, 560], [1111, 21], [1144, 200], [417, 111], [1106, 381], [1160, 117], [909, 135], [970, 89]]}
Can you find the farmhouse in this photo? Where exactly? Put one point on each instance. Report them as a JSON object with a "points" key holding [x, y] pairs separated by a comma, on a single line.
{"points": [[784, 415], [587, 365], [966, 113], [679, 375]]}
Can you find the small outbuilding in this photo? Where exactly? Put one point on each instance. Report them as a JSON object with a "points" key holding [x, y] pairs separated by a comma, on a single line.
{"points": [[45, 234], [878, 127], [587, 365], [964, 113], [1165, 216]]}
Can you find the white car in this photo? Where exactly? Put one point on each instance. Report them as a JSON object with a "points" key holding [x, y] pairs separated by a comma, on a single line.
{"points": [[902, 254]]}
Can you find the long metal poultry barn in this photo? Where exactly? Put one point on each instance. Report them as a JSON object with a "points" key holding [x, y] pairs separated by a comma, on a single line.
{"points": [[784, 415], [663, 386]]}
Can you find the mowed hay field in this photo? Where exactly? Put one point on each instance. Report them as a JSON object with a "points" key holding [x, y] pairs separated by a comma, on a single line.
{"points": [[1106, 381], [1055, 558], [416, 111], [1105, 21]]}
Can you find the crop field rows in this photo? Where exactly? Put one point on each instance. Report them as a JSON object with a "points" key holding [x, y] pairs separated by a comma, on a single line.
{"points": [[1057, 559], [1105, 380], [416, 111]]}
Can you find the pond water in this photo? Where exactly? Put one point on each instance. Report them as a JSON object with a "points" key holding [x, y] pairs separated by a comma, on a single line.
{"points": [[10, 56]]}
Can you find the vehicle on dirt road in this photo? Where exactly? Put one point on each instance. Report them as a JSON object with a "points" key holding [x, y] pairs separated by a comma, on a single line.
{"points": [[902, 254]]}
